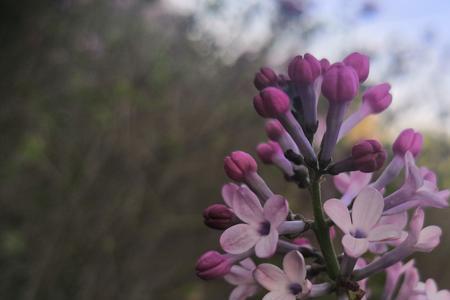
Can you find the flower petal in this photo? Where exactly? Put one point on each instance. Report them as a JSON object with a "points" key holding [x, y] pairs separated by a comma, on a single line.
{"points": [[342, 182], [429, 238], [276, 210], [383, 233], [367, 208], [414, 179], [270, 277], [294, 267], [239, 238], [248, 264], [431, 286], [247, 207], [279, 295], [238, 276], [416, 222], [228, 191], [354, 247], [338, 213], [243, 292], [398, 220], [267, 245]]}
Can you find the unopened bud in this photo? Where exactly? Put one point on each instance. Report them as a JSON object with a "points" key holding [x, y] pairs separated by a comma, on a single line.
{"points": [[340, 83], [212, 265], [360, 63], [264, 78], [239, 164], [408, 140], [219, 216]]}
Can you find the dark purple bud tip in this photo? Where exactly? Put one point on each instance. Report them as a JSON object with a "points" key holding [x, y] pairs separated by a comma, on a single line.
{"points": [[239, 164], [212, 265], [219, 216], [360, 63], [368, 156], [304, 70], [378, 97], [271, 102], [267, 151], [340, 83], [408, 140], [264, 78]]}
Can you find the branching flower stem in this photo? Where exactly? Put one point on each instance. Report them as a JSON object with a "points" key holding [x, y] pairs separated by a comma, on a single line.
{"points": [[321, 230]]}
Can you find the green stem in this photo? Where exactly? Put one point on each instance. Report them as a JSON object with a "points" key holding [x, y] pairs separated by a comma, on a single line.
{"points": [[321, 230]]}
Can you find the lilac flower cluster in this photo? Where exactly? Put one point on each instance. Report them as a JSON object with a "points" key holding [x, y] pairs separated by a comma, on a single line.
{"points": [[377, 232]]}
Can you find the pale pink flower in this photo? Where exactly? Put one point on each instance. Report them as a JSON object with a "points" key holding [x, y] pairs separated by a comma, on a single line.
{"points": [[419, 190], [287, 284], [362, 227], [242, 277], [418, 239], [350, 184], [260, 228], [433, 293], [399, 221], [394, 275], [426, 238]]}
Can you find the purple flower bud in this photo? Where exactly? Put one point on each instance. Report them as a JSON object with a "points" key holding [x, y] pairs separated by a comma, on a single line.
{"points": [[212, 265], [324, 65], [408, 140], [239, 164], [219, 216], [340, 83], [271, 102], [267, 151], [274, 130], [304, 70], [264, 78], [259, 106], [368, 156], [360, 63], [377, 97]]}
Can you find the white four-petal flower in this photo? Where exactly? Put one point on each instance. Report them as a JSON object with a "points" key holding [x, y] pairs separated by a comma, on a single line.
{"points": [[362, 227], [287, 284], [260, 227]]}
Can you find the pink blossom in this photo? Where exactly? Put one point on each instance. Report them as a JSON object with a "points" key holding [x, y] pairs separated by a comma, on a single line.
{"points": [[287, 284], [362, 228], [260, 228], [394, 275], [433, 293], [419, 190], [418, 238], [242, 277], [351, 184]]}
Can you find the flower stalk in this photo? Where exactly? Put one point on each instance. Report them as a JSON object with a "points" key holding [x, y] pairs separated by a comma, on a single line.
{"points": [[321, 230]]}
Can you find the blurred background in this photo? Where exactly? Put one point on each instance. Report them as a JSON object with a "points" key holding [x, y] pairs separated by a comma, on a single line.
{"points": [[116, 115]]}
